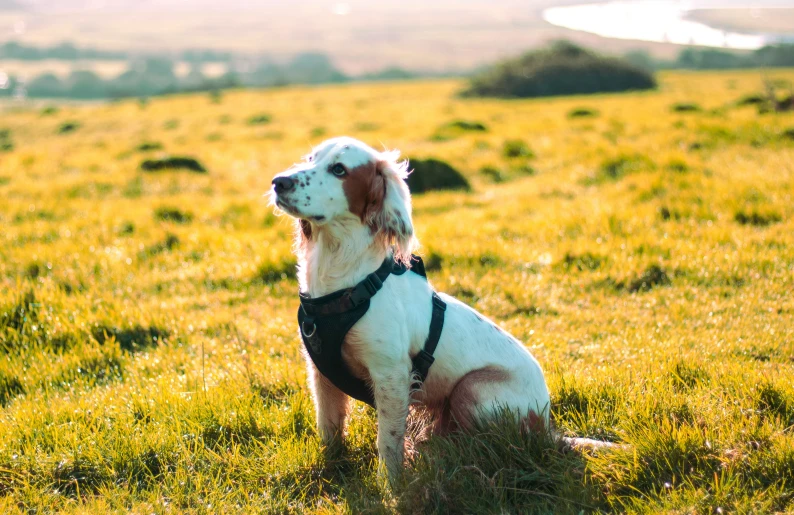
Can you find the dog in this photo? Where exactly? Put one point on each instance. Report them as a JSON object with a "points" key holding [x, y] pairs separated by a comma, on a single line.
{"points": [[353, 213]]}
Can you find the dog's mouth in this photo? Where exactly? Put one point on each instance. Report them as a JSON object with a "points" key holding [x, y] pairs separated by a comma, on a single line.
{"points": [[295, 212]]}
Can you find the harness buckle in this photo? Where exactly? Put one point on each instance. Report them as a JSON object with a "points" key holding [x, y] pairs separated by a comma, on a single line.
{"points": [[422, 362]]}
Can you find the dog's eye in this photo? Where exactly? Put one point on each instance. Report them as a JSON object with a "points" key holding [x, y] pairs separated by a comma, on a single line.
{"points": [[338, 169]]}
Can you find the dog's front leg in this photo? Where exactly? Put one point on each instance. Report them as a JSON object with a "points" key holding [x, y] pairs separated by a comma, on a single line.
{"points": [[330, 405], [392, 390]]}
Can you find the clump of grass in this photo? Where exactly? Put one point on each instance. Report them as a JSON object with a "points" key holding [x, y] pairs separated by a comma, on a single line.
{"points": [[170, 125], [751, 99], [79, 476], [677, 165], [466, 125], [173, 163], [6, 145], [513, 148], [757, 218], [456, 128], [788, 134], [273, 272], [148, 146], [434, 174], [130, 339], [433, 261], [172, 214], [10, 387], [170, 242], [685, 107], [68, 127], [259, 119], [366, 126], [582, 112], [318, 132], [49, 111], [583, 261], [686, 376], [616, 168], [652, 277], [125, 229], [492, 173]]}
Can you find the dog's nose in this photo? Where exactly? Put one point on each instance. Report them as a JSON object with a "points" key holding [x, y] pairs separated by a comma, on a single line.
{"points": [[283, 184]]}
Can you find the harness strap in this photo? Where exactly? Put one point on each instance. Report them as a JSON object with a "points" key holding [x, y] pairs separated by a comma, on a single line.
{"points": [[424, 358], [345, 300]]}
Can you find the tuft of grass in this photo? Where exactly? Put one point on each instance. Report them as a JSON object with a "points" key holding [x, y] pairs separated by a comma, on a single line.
{"points": [[757, 218], [172, 214], [616, 168], [130, 339], [259, 119], [273, 272], [492, 173], [148, 146], [582, 112], [516, 148], [10, 386], [685, 107], [49, 111], [652, 277], [68, 127], [583, 261], [173, 163]]}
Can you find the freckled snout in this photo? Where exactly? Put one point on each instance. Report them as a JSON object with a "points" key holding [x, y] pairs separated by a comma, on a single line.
{"points": [[283, 185]]}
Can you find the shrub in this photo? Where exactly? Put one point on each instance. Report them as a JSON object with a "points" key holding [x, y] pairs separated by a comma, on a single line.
{"points": [[173, 163], [562, 69], [432, 174], [516, 148], [582, 112], [751, 99]]}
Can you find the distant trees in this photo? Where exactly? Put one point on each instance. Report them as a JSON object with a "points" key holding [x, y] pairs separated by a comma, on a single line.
{"points": [[562, 69]]}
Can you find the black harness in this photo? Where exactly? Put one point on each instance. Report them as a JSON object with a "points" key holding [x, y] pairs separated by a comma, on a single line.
{"points": [[326, 320]]}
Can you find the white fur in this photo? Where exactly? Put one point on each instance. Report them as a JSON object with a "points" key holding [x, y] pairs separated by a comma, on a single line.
{"points": [[341, 252]]}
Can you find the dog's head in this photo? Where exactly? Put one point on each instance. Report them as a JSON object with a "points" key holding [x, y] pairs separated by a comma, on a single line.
{"points": [[344, 181]]}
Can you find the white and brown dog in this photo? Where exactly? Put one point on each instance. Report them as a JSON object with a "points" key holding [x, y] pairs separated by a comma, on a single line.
{"points": [[353, 211]]}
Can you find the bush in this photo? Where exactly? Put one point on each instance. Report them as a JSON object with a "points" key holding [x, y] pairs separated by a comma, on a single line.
{"points": [[562, 69], [6, 145], [757, 218], [466, 125], [173, 163], [432, 174]]}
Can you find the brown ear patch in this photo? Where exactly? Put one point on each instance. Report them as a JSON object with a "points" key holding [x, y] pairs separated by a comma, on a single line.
{"points": [[365, 189]]}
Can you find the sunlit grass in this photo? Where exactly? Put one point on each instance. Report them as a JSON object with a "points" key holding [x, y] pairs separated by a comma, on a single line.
{"points": [[149, 354]]}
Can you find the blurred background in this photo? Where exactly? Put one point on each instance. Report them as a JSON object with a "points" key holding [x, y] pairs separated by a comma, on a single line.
{"points": [[99, 49]]}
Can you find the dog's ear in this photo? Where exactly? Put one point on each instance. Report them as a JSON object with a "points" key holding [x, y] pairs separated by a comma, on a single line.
{"points": [[391, 217]]}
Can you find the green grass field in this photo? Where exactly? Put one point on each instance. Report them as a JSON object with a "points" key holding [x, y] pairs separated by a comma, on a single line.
{"points": [[149, 357]]}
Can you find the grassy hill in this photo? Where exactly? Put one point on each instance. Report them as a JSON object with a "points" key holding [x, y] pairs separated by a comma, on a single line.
{"points": [[640, 244]]}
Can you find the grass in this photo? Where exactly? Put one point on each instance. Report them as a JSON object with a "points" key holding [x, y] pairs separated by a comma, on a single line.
{"points": [[148, 365]]}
